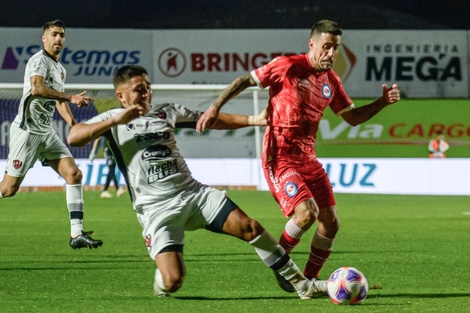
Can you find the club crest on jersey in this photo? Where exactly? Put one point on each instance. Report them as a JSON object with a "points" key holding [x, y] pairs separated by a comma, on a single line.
{"points": [[161, 115], [17, 164], [326, 91], [148, 241], [291, 189]]}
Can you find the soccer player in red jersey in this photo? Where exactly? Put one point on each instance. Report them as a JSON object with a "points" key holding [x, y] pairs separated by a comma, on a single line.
{"points": [[301, 87]]}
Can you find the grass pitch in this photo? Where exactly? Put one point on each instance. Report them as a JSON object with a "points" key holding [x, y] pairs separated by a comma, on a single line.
{"points": [[414, 251]]}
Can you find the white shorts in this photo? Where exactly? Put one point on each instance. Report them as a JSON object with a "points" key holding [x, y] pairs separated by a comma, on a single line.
{"points": [[26, 148], [164, 223]]}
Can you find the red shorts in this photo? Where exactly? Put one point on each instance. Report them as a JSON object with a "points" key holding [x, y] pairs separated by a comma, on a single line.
{"points": [[291, 184]]}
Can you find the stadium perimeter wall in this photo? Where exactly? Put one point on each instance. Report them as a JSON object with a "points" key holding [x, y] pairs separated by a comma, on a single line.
{"points": [[347, 175]]}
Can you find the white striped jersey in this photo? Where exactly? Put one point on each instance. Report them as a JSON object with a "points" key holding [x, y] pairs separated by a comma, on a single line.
{"points": [[146, 152], [35, 113]]}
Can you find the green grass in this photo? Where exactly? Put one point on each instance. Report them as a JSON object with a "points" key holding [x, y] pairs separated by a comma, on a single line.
{"points": [[414, 251]]}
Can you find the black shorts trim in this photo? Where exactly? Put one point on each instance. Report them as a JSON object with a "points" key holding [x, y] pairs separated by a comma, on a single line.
{"points": [[172, 248], [218, 223]]}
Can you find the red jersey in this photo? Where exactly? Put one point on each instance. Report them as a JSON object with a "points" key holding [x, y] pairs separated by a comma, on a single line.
{"points": [[298, 96]]}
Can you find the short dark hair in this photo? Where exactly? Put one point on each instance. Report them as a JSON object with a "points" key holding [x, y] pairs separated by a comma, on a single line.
{"points": [[54, 23], [326, 26], [126, 73]]}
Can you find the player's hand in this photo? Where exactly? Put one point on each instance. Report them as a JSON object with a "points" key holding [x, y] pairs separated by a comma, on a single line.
{"points": [[207, 119], [131, 113], [80, 99], [390, 95]]}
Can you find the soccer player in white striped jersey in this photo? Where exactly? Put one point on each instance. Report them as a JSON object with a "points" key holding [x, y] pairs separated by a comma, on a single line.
{"points": [[32, 136], [167, 199]]}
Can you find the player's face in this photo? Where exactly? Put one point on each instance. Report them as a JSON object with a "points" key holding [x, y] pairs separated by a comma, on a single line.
{"points": [[138, 90], [54, 39], [323, 50]]}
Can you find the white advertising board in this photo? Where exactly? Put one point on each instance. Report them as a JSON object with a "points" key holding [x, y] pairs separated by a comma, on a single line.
{"points": [[424, 63], [364, 176]]}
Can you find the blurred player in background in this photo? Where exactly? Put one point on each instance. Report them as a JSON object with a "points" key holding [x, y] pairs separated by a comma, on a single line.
{"points": [[32, 136], [167, 199], [99, 143], [301, 87], [438, 146]]}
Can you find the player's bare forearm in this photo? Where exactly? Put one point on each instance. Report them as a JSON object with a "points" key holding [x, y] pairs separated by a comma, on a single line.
{"points": [[230, 121], [38, 89], [65, 112], [235, 121], [232, 90], [364, 113], [211, 114], [49, 93], [81, 134]]}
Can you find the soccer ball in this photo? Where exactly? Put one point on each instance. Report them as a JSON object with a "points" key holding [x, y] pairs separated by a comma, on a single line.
{"points": [[347, 285]]}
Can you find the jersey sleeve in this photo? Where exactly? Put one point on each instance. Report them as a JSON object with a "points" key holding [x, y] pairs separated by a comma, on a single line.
{"points": [[38, 66], [104, 116], [270, 73], [341, 101], [185, 117]]}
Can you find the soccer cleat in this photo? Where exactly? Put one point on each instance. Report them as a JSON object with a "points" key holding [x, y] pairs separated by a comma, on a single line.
{"points": [[321, 285], [315, 288], [159, 292], [106, 194], [284, 283], [85, 241]]}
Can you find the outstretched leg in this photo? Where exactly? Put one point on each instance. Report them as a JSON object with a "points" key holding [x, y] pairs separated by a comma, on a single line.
{"points": [[238, 224]]}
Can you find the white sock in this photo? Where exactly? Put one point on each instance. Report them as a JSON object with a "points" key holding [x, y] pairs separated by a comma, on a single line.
{"points": [[321, 242], [291, 273], [293, 230], [273, 255], [267, 248], [74, 198]]}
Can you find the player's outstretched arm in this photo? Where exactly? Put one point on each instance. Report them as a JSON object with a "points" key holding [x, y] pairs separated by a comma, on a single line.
{"points": [[82, 133], [362, 114], [38, 89], [235, 121], [211, 114]]}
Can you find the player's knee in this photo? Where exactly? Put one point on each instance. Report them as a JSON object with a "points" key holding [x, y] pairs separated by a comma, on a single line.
{"points": [[252, 229], [78, 176], [172, 282], [74, 176], [309, 216]]}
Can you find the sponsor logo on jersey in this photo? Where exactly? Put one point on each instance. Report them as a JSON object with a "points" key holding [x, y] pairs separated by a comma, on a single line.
{"points": [[161, 169], [157, 152], [272, 178], [17, 164], [291, 189], [161, 136], [326, 90]]}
